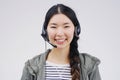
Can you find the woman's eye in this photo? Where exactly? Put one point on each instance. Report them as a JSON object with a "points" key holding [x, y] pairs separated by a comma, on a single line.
{"points": [[53, 27], [66, 26]]}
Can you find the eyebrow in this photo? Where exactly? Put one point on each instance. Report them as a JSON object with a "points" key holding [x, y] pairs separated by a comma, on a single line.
{"points": [[66, 23], [56, 24], [53, 24]]}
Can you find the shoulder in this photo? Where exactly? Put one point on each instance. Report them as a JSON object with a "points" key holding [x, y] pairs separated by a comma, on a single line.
{"points": [[38, 58], [88, 61], [34, 63]]}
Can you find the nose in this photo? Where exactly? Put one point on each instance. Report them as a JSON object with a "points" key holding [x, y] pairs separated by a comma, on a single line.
{"points": [[60, 32]]}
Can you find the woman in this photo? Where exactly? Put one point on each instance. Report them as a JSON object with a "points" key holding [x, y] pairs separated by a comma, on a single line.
{"points": [[63, 62]]}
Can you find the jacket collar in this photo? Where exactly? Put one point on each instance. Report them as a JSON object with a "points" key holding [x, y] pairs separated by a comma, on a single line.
{"points": [[43, 62], [42, 65]]}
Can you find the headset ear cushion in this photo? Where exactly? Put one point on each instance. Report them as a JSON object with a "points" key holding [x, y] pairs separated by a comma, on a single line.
{"points": [[44, 35], [77, 31]]}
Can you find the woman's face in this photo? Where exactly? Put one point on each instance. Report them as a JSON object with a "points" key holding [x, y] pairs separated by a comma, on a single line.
{"points": [[60, 31]]}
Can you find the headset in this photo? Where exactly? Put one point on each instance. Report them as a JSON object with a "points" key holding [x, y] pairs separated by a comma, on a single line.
{"points": [[45, 35]]}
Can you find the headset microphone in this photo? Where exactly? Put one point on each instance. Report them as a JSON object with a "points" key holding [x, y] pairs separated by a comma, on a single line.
{"points": [[45, 36], [52, 45]]}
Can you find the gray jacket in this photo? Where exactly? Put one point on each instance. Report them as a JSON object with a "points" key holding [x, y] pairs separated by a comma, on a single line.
{"points": [[34, 69]]}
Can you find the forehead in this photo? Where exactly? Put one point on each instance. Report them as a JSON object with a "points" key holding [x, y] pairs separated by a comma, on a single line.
{"points": [[60, 18]]}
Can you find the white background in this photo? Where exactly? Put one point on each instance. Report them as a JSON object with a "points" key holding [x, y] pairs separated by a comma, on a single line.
{"points": [[20, 28]]}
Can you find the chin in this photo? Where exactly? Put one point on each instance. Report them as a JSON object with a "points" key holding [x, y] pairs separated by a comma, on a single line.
{"points": [[62, 46]]}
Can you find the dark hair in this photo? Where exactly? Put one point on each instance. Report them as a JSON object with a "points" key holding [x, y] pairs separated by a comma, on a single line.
{"points": [[74, 53]]}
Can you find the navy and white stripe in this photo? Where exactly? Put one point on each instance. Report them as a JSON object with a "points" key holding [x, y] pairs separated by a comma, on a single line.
{"points": [[57, 72]]}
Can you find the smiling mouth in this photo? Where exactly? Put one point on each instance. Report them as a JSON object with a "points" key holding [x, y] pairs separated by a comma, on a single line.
{"points": [[60, 41]]}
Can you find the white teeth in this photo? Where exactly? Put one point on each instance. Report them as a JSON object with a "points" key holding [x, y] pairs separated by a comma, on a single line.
{"points": [[60, 40]]}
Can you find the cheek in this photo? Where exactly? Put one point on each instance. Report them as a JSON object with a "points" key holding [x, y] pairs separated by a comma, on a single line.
{"points": [[71, 34], [50, 34]]}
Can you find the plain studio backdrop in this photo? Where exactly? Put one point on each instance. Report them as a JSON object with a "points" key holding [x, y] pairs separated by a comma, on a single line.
{"points": [[20, 28]]}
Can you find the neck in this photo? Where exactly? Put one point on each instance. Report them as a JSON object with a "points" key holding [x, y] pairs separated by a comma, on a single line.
{"points": [[59, 56]]}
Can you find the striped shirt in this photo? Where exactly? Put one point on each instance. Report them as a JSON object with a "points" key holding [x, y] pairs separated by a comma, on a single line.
{"points": [[57, 71]]}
